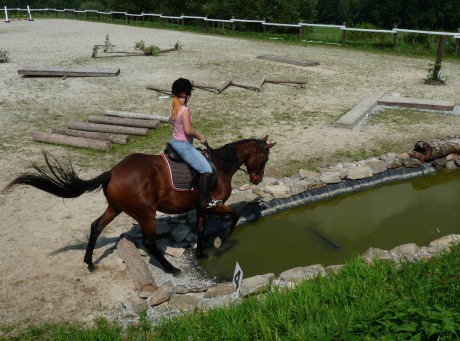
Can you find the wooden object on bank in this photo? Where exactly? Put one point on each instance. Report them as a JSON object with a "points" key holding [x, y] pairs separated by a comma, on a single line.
{"points": [[136, 265], [69, 71], [107, 128], [142, 116], [128, 122], [114, 138]]}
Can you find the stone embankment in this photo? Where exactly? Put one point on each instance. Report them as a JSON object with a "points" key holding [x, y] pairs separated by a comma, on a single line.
{"points": [[272, 196]]}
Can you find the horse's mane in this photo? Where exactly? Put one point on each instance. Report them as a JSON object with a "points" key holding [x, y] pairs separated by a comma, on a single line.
{"points": [[227, 153]]}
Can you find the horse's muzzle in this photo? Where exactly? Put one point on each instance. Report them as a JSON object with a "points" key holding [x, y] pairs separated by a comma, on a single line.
{"points": [[255, 178]]}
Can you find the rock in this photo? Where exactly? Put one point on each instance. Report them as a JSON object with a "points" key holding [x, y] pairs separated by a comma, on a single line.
{"points": [[219, 290], [174, 251], [300, 186], [331, 178], [375, 253], [376, 166], [278, 191], [138, 304], [162, 227], [450, 164], [457, 161], [180, 232], [255, 284], [406, 252], [394, 163], [187, 302], [410, 162], [162, 294], [305, 174], [301, 274], [359, 173], [451, 157], [445, 242], [217, 302], [334, 269], [242, 199], [439, 164], [268, 181]]}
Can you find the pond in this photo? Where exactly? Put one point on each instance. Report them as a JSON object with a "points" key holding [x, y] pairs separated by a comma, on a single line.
{"points": [[329, 232]]}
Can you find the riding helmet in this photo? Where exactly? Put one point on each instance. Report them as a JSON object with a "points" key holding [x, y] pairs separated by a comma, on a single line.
{"points": [[181, 85]]}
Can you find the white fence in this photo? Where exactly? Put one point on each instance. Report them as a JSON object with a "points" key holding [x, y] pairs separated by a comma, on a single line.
{"points": [[232, 22]]}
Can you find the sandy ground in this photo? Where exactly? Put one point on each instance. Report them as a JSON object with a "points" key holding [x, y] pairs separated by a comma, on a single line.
{"points": [[42, 238]]}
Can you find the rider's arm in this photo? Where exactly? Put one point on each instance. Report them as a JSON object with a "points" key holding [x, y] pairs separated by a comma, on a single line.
{"points": [[188, 128]]}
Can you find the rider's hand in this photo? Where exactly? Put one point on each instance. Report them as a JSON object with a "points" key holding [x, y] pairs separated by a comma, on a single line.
{"points": [[202, 139]]}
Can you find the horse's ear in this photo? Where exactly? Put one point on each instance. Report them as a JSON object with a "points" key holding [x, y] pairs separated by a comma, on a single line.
{"points": [[265, 138], [270, 145]]}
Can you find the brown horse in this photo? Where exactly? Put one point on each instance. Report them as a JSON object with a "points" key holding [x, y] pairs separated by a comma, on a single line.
{"points": [[139, 186]]}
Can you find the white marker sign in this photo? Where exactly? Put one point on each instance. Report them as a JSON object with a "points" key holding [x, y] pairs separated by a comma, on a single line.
{"points": [[237, 278]]}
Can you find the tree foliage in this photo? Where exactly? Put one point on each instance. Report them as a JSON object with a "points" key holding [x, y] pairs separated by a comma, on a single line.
{"points": [[411, 14]]}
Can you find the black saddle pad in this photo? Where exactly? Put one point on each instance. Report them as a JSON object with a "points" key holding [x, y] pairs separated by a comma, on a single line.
{"points": [[181, 176]]}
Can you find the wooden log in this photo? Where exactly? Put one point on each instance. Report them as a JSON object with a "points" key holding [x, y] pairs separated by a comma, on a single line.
{"points": [[240, 85], [114, 138], [74, 141], [431, 150], [160, 90], [206, 87], [285, 81], [224, 86], [115, 113], [262, 82], [107, 128], [168, 50], [128, 122], [136, 265]]}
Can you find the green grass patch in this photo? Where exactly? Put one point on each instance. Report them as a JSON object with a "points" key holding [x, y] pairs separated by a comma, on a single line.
{"points": [[417, 301]]}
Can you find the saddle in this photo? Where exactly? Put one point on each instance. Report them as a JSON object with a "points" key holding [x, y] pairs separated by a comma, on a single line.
{"points": [[182, 176]]}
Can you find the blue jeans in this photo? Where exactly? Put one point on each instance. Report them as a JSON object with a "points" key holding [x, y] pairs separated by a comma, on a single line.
{"points": [[192, 156]]}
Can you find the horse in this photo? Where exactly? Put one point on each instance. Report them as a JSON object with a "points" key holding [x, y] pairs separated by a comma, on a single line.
{"points": [[139, 185]]}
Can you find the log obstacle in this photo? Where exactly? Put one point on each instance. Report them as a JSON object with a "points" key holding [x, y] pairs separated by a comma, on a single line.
{"points": [[107, 128], [245, 86], [41, 136], [114, 138], [158, 89], [128, 122], [115, 113], [136, 265], [431, 150]]}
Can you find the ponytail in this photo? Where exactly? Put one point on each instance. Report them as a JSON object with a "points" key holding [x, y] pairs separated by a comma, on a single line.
{"points": [[175, 106]]}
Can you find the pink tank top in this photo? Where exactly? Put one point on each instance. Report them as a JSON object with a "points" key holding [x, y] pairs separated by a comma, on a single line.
{"points": [[178, 129]]}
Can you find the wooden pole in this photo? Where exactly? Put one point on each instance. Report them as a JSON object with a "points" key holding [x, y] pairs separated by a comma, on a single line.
{"points": [[240, 85], [441, 45], [136, 265], [129, 122], [206, 87], [107, 128], [110, 112], [225, 86], [262, 82], [285, 81], [114, 138], [41, 136]]}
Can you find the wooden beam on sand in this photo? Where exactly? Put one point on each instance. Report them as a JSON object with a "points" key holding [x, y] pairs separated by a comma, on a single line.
{"points": [[158, 89], [107, 128], [224, 86], [262, 82], [206, 87], [136, 115], [41, 136], [245, 86], [114, 138], [136, 265], [128, 122], [300, 82]]}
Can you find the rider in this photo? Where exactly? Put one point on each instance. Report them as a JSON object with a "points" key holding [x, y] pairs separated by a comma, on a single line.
{"points": [[182, 139]]}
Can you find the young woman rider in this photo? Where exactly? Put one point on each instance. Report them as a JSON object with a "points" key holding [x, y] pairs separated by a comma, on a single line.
{"points": [[182, 139]]}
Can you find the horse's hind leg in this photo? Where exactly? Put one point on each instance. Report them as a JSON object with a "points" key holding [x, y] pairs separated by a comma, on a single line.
{"points": [[148, 226], [96, 228]]}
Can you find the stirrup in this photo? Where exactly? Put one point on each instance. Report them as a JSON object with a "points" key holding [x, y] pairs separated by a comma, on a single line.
{"points": [[214, 203]]}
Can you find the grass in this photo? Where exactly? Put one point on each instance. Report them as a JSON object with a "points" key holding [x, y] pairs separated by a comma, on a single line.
{"points": [[417, 301]]}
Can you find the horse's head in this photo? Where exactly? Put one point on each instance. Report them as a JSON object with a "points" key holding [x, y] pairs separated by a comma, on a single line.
{"points": [[256, 157]]}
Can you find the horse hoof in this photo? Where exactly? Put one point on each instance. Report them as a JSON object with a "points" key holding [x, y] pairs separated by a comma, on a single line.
{"points": [[91, 268], [174, 271]]}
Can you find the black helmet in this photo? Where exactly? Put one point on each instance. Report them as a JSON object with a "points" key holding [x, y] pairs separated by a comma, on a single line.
{"points": [[181, 85]]}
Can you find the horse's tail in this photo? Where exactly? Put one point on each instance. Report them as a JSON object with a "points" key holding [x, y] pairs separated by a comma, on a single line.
{"points": [[59, 180]]}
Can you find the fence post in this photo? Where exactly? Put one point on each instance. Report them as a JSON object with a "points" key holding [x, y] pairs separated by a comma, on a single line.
{"points": [[6, 15], [182, 19], [442, 43], [233, 24], [206, 23], [344, 35], [301, 30], [264, 28], [457, 42], [395, 37]]}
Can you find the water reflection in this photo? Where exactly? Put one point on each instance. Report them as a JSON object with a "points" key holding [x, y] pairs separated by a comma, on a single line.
{"points": [[329, 232]]}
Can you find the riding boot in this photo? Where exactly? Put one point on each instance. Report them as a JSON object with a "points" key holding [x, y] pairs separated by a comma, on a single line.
{"points": [[206, 200]]}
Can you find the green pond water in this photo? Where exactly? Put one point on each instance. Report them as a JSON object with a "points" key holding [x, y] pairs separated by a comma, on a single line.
{"points": [[331, 231]]}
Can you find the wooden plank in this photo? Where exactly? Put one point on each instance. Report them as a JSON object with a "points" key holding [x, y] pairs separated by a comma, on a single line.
{"points": [[41, 136], [107, 128], [287, 60], [417, 103], [61, 71], [129, 122], [114, 138], [158, 89], [116, 113]]}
